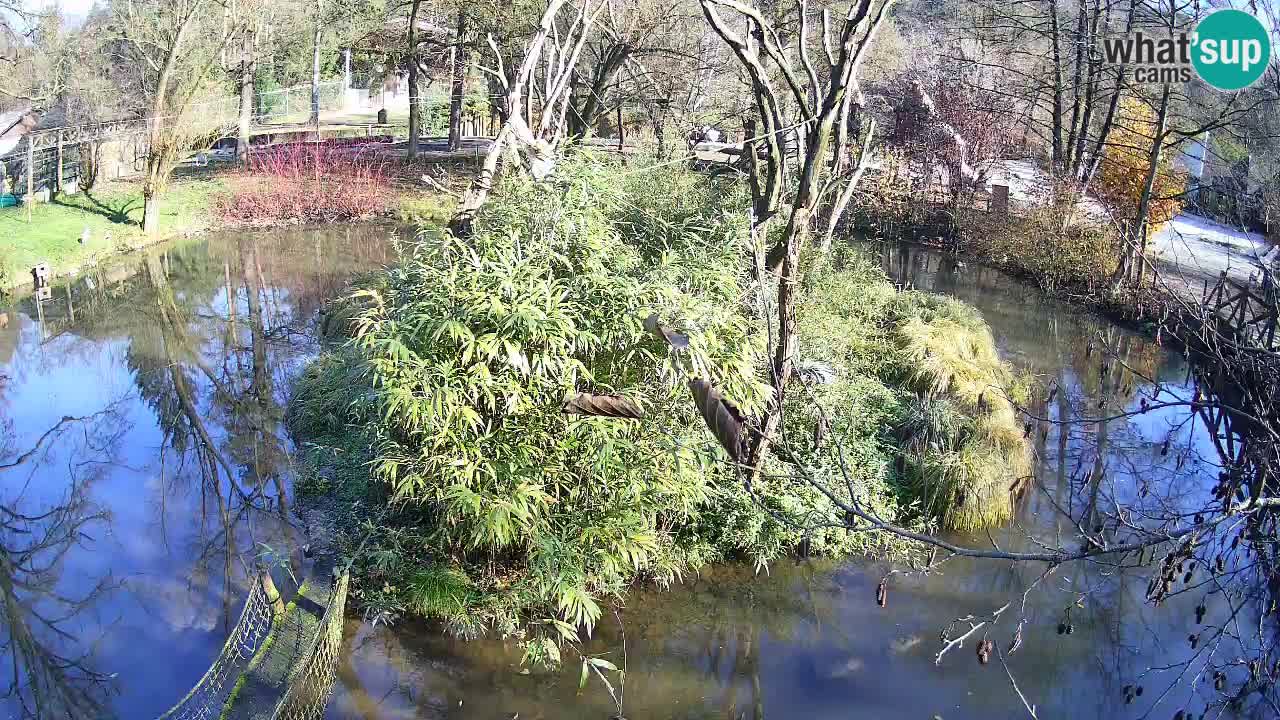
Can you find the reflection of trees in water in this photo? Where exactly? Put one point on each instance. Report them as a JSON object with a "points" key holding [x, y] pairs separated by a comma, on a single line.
{"points": [[213, 331], [217, 331], [50, 671], [180, 380]]}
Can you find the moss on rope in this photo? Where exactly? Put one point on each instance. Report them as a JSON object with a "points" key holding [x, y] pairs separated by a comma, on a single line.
{"points": [[258, 656]]}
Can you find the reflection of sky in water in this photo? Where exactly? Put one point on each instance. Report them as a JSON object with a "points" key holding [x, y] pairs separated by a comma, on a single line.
{"points": [[808, 640], [173, 569]]}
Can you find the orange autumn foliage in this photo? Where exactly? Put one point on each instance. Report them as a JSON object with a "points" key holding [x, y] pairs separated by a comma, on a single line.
{"points": [[1123, 172]]}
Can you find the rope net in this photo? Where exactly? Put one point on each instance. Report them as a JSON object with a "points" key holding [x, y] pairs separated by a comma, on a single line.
{"points": [[206, 699], [307, 690]]}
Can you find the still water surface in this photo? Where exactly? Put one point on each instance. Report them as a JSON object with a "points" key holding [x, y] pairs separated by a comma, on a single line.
{"points": [[140, 437], [144, 509]]}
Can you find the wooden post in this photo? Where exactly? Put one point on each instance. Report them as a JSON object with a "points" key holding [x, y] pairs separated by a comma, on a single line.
{"points": [[273, 595], [1000, 200], [346, 74], [58, 182], [620, 140], [31, 178]]}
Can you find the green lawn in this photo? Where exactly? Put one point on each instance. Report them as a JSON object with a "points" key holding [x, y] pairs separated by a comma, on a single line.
{"points": [[112, 216]]}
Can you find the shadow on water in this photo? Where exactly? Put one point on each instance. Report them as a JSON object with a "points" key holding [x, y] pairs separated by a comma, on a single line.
{"points": [[807, 640], [143, 463]]}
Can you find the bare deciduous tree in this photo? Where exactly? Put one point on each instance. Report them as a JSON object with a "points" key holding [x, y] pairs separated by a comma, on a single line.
{"points": [[533, 131], [171, 50], [814, 109]]}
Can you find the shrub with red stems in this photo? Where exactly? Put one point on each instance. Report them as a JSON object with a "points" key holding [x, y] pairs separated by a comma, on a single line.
{"points": [[309, 182]]}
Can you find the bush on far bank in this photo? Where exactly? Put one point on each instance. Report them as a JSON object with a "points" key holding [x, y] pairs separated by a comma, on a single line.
{"points": [[309, 182]]}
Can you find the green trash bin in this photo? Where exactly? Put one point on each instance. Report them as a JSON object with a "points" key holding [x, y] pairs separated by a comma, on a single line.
{"points": [[8, 201]]}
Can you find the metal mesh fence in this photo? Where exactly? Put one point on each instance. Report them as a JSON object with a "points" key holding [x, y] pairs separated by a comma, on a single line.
{"points": [[293, 104], [43, 166]]}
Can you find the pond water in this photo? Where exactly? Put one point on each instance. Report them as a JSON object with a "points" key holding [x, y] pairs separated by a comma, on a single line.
{"points": [[144, 467], [140, 433]]}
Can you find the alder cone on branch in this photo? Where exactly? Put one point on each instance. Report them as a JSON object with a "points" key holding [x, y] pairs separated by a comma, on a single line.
{"points": [[615, 406], [985, 648]]}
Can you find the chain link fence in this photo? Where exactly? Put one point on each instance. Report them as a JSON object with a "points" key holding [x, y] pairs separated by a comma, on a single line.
{"points": [[309, 684], [42, 172], [43, 164], [293, 104]]}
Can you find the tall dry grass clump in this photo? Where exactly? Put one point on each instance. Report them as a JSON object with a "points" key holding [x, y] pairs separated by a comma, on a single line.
{"points": [[966, 452], [923, 397]]}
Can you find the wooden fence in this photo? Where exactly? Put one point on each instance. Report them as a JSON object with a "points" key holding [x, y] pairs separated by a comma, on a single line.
{"points": [[1248, 314]]}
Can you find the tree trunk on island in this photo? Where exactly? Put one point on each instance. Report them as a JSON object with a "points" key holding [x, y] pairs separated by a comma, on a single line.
{"points": [[457, 92], [415, 111]]}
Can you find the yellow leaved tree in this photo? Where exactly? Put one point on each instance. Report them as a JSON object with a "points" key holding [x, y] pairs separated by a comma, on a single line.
{"points": [[1122, 175]]}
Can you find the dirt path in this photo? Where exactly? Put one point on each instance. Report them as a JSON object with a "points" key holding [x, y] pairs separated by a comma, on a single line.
{"points": [[1191, 250]]}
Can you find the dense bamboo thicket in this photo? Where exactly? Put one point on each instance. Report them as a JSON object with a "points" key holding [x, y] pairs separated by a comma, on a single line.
{"points": [[509, 514]]}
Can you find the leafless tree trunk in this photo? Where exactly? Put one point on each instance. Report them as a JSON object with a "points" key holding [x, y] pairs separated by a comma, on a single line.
{"points": [[1056, 56], [1073, 129], [583, 116], [457, 92], [1136, 253], [247, 68], [824, 101], [1086, 171], [156, 167], [315, 69], [415, 104]]}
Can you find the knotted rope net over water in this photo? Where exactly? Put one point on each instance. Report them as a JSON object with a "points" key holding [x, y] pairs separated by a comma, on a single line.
{"points": [[304, 692], [206, 699], [307, 690]]}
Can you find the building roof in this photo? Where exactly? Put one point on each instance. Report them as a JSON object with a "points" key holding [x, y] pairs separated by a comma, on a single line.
{"points": [[14, 125]]}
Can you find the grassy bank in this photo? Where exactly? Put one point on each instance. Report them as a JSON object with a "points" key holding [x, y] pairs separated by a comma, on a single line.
{"points": [[112, 214], [438, 428]]}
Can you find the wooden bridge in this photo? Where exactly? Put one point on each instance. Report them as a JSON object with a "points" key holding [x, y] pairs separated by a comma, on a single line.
{"points": [[279, 661], [1248, 314], [1233, 330]]}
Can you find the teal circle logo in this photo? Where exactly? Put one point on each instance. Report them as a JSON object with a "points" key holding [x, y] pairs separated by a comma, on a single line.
{"points": [[1231, 49]]}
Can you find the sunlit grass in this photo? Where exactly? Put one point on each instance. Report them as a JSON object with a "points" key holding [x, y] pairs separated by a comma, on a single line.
{"points": [[112, 215]]}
